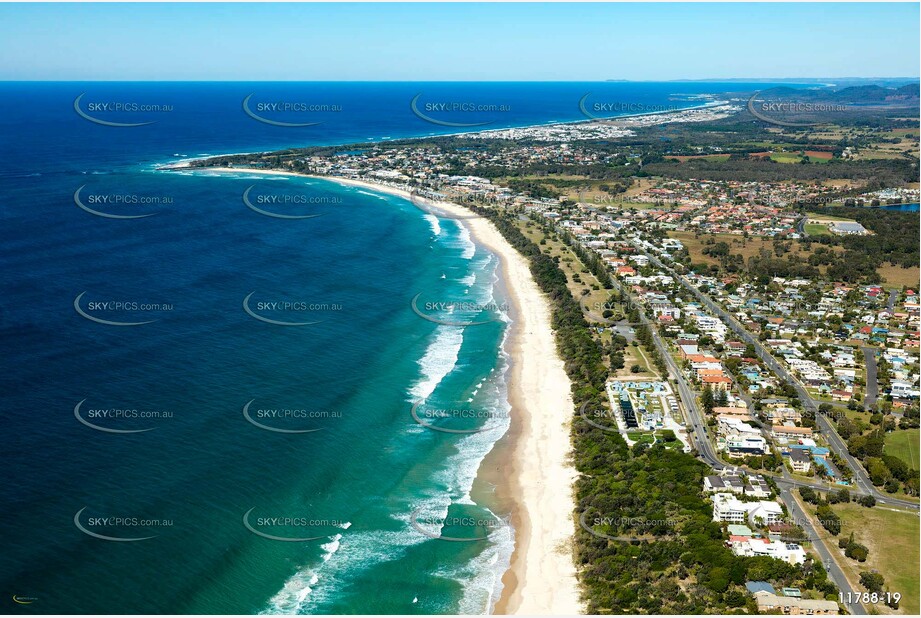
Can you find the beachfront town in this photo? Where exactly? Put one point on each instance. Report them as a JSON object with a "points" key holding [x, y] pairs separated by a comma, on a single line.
{"points": [[784, 385], [746, 209], [821, 331], [844, 342], [598, 129]]}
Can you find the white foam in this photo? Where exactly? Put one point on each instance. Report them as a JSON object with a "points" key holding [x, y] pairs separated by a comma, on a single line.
{"points": [[377, 195], [311, 587], [299, 586], [467, 243], [332, 547], [433, 221], [439, 360]]}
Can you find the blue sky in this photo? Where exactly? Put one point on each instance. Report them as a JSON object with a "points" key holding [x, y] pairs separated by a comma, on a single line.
{"points": [[457, 41]]}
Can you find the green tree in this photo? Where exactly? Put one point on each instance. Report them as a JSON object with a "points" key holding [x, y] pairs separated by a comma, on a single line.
{"points": [[707, 401], [872, 581], [829, 519]]}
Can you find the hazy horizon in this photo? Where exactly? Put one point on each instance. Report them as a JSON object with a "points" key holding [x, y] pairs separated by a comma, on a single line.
{"points": [[429, 42]]}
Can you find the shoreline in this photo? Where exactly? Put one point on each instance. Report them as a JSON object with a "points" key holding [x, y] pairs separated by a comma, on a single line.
{"points": [[186, 162], [530, 465], [541, 579]]}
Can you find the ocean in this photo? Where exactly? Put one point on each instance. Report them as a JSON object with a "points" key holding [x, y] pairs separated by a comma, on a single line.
{"points": [[211, 408]]}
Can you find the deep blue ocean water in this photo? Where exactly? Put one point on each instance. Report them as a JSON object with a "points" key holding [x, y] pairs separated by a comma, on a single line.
{"points": [[361, 476]]}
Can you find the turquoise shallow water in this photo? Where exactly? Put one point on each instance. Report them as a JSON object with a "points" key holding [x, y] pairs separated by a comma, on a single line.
{"points": [[353, 377], [364, 481]]}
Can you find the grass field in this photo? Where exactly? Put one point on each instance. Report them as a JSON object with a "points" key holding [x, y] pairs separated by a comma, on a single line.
{"points": [[904, 445], [649, 438], [590, 192], [796, 157], [571, 265], [898, 276], [817, 217], [895, 276], [639, 185], [817, 229], [893, 539], [713, 157], [695, 246], [737, 245]]}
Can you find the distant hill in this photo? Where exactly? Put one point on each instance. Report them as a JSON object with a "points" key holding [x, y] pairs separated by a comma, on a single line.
{"points": [[839, 82], [905, 94]]}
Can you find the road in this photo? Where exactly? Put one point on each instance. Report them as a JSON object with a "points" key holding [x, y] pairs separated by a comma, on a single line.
{"points": [[893, 295], [696, 427], [869, 357], [834, 571], [697, 430], [861, 480]]}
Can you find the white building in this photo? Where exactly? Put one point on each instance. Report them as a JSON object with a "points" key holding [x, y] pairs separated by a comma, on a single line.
{"points": [[790, 553], [903, 389], [728, 508], [765, 512]]}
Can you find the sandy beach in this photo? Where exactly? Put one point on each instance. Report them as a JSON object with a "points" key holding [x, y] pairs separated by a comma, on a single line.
{"points": [[542, 578], [531, 466]]}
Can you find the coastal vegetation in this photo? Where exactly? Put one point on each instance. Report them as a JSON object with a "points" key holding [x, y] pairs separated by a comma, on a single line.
{"points": [[855, 259], [649, 545], [677, 561]]}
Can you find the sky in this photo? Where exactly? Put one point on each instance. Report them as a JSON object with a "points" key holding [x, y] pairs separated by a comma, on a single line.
{"points": [[457, 42]]}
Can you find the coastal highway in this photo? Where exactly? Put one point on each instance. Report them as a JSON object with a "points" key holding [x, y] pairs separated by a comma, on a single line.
{"points": [[698, 432], [697, 429], [834, 571], [861, 480]]}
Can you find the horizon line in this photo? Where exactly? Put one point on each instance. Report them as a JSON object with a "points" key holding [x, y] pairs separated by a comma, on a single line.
{"points": [[817, 80]]}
